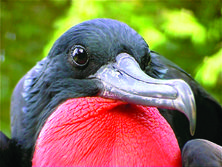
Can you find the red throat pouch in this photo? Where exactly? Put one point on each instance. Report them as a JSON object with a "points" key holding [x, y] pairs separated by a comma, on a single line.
{"points": [[94, 131]]}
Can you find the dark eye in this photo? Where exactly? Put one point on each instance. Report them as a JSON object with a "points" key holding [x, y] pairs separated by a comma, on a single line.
{"points": [[79, 56]]}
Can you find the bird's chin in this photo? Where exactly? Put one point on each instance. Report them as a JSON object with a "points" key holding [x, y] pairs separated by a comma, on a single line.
{"points": [[93, 131]]}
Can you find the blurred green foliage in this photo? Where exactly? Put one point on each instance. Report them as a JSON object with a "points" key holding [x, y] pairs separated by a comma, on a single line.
{"points": [[188, 33]]}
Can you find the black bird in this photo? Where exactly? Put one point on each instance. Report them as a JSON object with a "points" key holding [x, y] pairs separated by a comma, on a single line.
{"points": [[91, 63]]}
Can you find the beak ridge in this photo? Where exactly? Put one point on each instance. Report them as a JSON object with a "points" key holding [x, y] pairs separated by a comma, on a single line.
{"points": [[124, 80]]}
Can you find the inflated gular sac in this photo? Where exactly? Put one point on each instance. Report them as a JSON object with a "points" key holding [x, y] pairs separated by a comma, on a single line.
{"points": [[94, 131]]}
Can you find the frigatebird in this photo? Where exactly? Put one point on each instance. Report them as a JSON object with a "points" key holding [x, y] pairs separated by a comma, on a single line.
{"points": [[102, 98]]}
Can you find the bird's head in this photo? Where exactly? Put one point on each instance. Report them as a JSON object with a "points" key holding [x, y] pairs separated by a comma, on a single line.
{"points": [[97, 105]]}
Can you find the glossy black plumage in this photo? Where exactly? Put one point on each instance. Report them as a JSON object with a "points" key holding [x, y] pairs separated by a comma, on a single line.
{"points": [[56, 78], [209, 111], [203, 153]]}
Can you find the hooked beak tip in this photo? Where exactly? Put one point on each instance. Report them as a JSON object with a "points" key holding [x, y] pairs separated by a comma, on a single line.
{"points": [[124, 80]]}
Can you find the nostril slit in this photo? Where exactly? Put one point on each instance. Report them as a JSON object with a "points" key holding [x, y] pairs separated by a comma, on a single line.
{"points": [[117, 70]]}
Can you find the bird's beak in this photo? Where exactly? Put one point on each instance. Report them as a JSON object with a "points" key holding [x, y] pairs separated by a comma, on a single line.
{"points": [[124, 80]]}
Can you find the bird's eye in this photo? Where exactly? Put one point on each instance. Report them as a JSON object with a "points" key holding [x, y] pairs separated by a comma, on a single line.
{"points": [[79, 56]]}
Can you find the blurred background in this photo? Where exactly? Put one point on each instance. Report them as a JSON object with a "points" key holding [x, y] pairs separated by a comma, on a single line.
{"points": [[188, 32]]}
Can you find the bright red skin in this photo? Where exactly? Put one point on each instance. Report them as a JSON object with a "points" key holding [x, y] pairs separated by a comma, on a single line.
{"points": [[94, 131]]}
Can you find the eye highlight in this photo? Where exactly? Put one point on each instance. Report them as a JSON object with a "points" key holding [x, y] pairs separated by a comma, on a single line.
{"points": [[79, 56]]}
